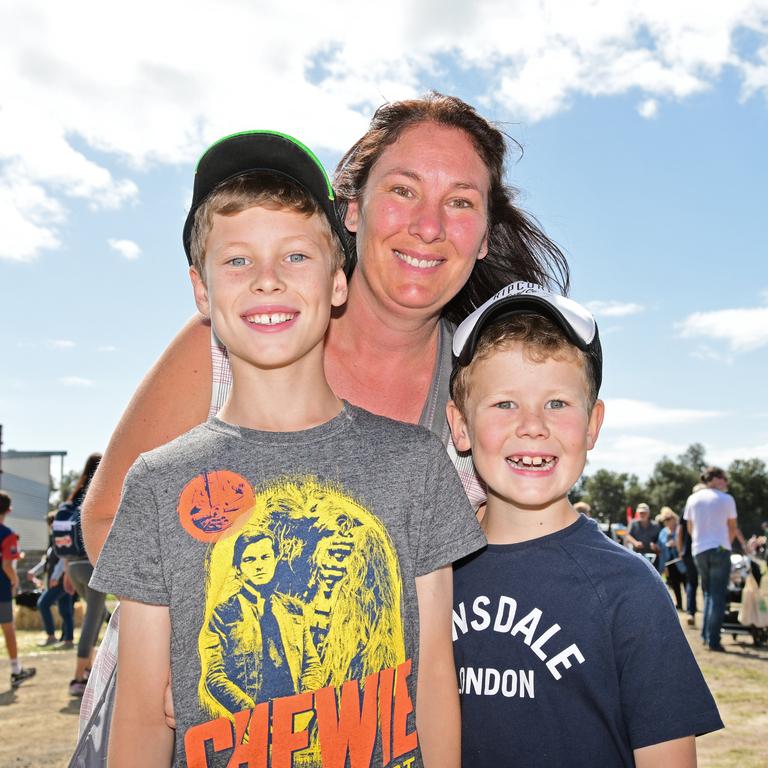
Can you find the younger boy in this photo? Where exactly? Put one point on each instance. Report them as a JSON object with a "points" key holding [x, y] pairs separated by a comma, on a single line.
{"points": [[287, 559], [9, 583], [568, 649]]}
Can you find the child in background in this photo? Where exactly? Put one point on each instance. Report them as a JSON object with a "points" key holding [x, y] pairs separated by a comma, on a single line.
{"points": [[9, 583], [51, 568], [568, 649]]}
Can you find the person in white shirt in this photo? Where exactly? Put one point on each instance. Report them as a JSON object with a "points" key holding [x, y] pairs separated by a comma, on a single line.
{"points": [[710, 514]]}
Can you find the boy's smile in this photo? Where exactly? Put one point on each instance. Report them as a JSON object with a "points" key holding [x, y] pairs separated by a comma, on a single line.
{"points": [[269, 285], [529, 428]]}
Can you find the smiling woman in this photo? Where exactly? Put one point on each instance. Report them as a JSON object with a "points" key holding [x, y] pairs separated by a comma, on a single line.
{"points": [[436, 233]]}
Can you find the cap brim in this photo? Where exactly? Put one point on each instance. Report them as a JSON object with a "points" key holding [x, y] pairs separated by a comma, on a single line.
{"points": [[261, 151], [576, 322], [518, 305]]}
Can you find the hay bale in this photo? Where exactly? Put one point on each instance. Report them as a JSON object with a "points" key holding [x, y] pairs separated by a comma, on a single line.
{"points": [[30, 619]]}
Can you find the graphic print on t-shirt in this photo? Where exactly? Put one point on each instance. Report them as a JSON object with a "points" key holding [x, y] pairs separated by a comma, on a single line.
{"points": [[302, 649], [212, 502]]}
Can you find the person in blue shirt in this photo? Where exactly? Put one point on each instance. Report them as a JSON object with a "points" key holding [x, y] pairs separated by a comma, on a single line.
{"points": [[670, 561]]}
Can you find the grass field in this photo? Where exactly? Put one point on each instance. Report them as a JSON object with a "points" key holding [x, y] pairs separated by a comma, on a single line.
{"points": [[39, 720]]}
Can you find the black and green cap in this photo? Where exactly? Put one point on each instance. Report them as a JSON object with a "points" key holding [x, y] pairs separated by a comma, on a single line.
{"points": [[253, 151]]}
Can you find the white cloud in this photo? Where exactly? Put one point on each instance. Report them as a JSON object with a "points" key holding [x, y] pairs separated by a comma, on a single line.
{"points": [[755, 75], [724, 456], [28, 216], [106, 348], [624, 413], [60, 344], [75, 381], [743, 330], [624, 446], [648, 109], [614, 308], [704, 352], [126, 248], [630, 453], [74, 100]]}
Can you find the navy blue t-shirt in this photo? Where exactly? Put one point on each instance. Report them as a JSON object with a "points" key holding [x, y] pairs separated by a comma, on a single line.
{"points": [[569, 652]]}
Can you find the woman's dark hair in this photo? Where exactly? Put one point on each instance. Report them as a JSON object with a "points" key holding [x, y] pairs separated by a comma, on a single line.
{"points": [[81, 486], [710, 473], [518, 249]]}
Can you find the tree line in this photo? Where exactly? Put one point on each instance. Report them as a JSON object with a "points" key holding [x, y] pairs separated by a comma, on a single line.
{"points": [[670, 484]]}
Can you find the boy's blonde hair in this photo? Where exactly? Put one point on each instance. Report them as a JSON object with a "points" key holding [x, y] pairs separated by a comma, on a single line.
{"points": [[541, 340], [265, 189]]}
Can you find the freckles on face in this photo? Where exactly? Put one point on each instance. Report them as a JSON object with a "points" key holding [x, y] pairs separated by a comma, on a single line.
{"points": [[422, 221]]}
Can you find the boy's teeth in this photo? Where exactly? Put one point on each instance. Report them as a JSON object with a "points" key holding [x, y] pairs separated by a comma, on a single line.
{"points": [[420, 263], [532, 462], [273, 319]]}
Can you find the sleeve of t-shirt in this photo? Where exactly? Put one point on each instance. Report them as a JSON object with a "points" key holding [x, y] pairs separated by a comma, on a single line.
{"points": [[448, 528], [10, 547], [657, 670], [130, 563]]}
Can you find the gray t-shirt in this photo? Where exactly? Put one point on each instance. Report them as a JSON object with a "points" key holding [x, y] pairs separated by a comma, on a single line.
{"points": [[432, 414], [288, 561]]}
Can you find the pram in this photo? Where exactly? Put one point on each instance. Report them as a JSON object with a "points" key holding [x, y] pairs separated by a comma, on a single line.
{"points": [[742, 567]]}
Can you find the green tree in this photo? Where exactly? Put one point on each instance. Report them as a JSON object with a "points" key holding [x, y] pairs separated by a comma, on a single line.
{"points": [[59, 493], [634, 492], [578, 491], [694, 458], [671, 482], [605, 492], [749, 487]]}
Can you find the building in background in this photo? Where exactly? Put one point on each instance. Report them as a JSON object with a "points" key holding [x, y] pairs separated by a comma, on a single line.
{"points": [[26, 475]]}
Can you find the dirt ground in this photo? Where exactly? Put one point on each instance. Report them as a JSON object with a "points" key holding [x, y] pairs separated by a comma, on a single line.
{"points": [[39, 720]]}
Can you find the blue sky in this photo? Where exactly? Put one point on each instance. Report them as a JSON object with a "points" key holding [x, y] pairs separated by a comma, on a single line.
{"points": [[644, 135]]}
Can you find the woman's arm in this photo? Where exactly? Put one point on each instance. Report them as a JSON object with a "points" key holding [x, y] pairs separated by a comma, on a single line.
{"points": [[139, 734], [173, 397], [438, 719]]}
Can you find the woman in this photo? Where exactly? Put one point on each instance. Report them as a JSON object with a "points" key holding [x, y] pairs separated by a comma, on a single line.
{"points": [[78, 574], [669, 556], [436, 233]]}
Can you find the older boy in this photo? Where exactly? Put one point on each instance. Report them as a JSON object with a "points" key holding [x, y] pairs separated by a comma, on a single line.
{"points": [[568, 649], [287, 559], [9, 583]]}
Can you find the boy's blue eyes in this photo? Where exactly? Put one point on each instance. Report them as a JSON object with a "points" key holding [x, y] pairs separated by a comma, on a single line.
{"points": [[242, 261], [554, 405]]}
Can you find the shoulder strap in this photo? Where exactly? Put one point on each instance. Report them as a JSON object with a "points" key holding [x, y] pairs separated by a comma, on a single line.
{"points": [[433, 414]]}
